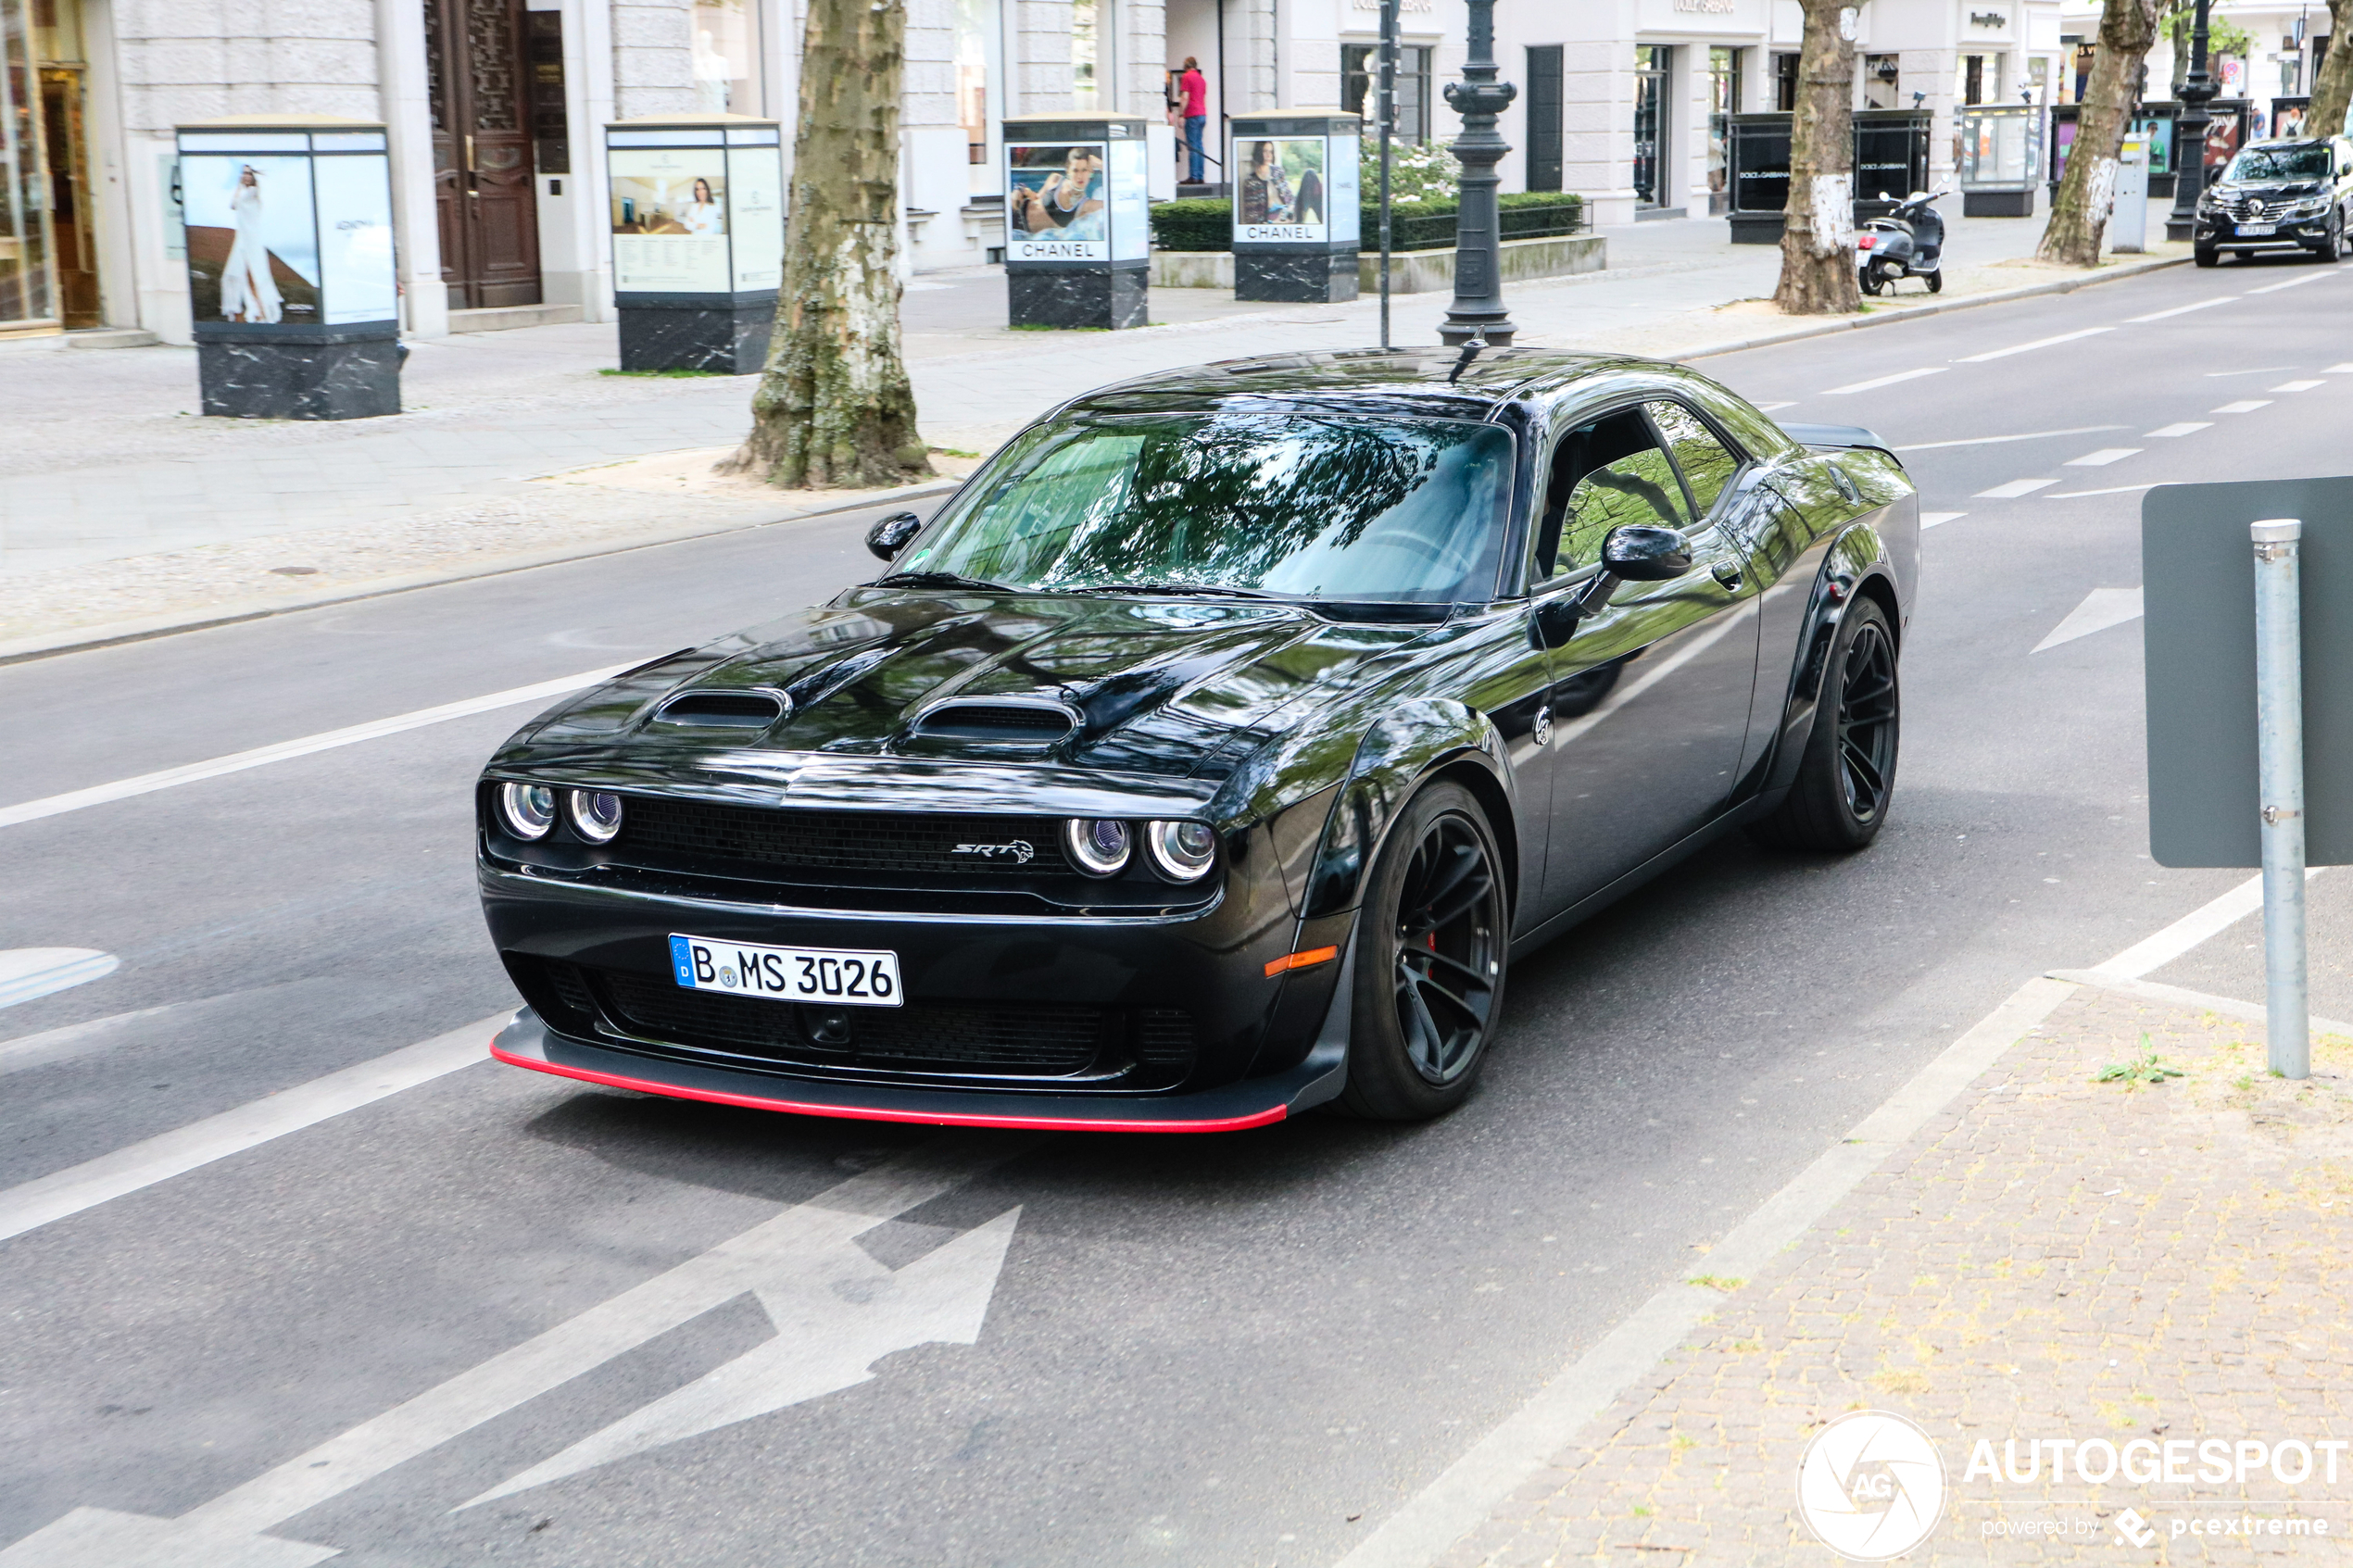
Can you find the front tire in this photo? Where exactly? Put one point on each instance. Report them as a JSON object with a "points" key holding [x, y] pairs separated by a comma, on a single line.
{"points": [[2331, 247], [1936, 282], [1847, 776], [1432, 943], [2205, 255]]}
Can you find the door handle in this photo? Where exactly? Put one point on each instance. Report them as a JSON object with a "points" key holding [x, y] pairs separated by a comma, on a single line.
{"points": [[1729, 576]]}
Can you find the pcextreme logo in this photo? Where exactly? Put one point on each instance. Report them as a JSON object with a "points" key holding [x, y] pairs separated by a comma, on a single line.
{"points": [[1872, 1486]]}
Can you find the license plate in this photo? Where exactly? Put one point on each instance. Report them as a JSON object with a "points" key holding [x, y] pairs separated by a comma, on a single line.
{"points": [[2249, 230], [837, 976]]}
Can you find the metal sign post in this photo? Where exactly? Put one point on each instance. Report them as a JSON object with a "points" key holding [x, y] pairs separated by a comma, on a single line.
{"points": [[2279, 718]]}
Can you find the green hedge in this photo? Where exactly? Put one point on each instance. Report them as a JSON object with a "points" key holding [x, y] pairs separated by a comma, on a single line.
{"points": [[1207, 224]]}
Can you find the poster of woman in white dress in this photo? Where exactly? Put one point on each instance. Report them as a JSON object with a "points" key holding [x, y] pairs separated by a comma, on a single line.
{"points": [[253, 245]]}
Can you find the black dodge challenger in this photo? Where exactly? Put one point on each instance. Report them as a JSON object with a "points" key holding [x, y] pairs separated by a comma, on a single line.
{"points": [[1210, 753]]}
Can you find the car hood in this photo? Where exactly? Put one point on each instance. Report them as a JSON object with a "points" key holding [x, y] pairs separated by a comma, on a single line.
{"points": [[1174, 687], [2269, 189]]}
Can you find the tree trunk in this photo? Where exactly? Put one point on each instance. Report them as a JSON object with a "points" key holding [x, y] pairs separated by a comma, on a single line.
{"points": [[1818, 226], [2333, 87], [2087, 192], [834, 407]]}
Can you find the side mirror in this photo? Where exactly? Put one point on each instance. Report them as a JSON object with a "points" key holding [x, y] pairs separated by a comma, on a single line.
{"points": [[1639, 553], [889, 536]]}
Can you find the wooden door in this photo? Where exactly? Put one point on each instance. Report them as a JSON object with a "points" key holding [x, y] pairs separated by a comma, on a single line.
{"points": [[477, 71]]}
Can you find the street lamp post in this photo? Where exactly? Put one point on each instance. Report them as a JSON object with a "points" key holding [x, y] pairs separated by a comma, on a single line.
{"points": [[1477, 310], [2189, 136]]}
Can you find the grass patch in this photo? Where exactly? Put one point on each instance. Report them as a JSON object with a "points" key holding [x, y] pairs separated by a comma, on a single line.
{"points": [[1717, 1282], [953, 452], [665, 375], [1042, 327], [2146, 1068]]}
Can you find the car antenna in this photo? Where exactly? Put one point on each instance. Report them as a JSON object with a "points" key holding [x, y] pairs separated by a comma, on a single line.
{"points": [[1470, 352]]}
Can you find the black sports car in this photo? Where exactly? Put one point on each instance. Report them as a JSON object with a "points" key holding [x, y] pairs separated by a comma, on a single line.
{"points": [[1213, 750]]}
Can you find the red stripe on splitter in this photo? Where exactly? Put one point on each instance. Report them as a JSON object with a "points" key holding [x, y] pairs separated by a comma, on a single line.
{"points": [[927, 1118]]}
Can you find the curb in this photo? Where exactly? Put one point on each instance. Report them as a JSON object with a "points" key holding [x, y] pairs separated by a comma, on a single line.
{"points": [[83, 639], [1463, 1495], [1999, 296]]}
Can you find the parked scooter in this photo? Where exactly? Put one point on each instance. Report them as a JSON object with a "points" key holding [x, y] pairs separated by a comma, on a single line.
{"points": [[1907, 243]]}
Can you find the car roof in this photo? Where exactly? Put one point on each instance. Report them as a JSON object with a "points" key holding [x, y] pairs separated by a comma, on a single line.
{"points": [[1403, 380]]}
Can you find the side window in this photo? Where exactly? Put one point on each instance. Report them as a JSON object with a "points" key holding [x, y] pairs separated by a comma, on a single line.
{"points": [[1707, 466], [1607, 471]]}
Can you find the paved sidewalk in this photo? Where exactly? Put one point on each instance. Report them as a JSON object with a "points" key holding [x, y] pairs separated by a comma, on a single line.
{"points": [[2050, 1258]]}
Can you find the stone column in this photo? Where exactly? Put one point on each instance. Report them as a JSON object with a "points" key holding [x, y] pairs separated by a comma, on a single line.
{"points": [[653, 61]]}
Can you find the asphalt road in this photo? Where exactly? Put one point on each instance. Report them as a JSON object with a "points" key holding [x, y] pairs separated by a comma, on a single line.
{"points": [[1237, 1351]]}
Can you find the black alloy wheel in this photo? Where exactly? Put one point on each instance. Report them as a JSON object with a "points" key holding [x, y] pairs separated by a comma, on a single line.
{"points": [[1432, 948], [1846, 777]]}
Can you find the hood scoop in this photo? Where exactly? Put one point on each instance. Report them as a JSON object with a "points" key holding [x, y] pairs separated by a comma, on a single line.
{"points": [[709, 709], [999, 720]]}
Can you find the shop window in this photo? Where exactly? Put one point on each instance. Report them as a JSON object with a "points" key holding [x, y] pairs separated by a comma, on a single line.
{"points": [[1883, 82], [1359, 87], [1785, 82], [1084, 17], [980, 59], [1723, 101], [1544, 109], [727, 57], [1973, 80], [26, 286], [1654, 63]]}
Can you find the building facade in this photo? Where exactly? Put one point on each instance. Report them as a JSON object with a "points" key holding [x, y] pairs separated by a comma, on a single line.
{"points": [[496, 108]]}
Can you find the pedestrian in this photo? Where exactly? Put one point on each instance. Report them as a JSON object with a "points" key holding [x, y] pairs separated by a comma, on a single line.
{"points": [[1195, 88]]}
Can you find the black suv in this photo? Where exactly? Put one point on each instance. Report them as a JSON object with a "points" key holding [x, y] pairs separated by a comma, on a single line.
{"points": [[2289, 194]]}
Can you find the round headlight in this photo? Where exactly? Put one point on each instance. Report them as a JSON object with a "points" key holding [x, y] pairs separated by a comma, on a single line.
{"points": [[1181, 851], [596, 816], [1098, 846], [530, 809]]}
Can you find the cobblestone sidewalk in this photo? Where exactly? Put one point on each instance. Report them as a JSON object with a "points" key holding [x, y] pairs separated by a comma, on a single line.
{"points": [[2052, 1257]]}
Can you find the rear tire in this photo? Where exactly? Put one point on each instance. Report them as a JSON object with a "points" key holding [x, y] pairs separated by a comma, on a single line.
{"points": [[1846, 779], [1870, 281], [1433, 944]]}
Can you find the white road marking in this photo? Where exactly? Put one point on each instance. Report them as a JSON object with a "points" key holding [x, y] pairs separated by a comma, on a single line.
{"points": [[836, 1312], [2296, 386], [2102, 458], [2014, 489], [2294, 282], [2210, 919], [1996, 440], [2027, 348], [1932, 520], [2184, 309], [27, 972], [2187, 427], [2111, 490], [2101, 608], [1884, 381], [2343, 370], [2249, 371], [145, 784], [2244, 405], [1768, 407], [32, 1204]]}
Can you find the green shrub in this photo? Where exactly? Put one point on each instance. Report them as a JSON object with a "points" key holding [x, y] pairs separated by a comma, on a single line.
{"points": [[1196, 224]]}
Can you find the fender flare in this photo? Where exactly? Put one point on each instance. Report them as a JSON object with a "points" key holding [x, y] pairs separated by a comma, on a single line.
{"points": [[1401, 751], [1857, 566]]}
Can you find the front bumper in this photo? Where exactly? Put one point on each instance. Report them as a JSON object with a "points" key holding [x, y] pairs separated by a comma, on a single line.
{"points": [[2292, 233], [1254, 1103]]}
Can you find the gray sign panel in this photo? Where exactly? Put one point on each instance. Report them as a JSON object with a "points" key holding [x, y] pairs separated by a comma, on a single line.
{"points": [[2197, 577]]}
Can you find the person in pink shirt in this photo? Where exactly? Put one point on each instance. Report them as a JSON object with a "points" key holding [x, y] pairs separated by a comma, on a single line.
{"points": [[1195, 90]]}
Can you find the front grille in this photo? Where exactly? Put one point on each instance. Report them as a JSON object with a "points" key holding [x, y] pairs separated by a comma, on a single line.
{"points": [[1006, 1038], [688, 834], [1165, 1038]]}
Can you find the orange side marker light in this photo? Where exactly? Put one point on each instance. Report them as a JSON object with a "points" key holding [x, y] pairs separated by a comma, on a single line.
{"points": [[1307, 960]]}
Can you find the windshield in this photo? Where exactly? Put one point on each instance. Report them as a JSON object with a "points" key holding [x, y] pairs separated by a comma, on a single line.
{"points": [[2280, 163], [1308, 506]]}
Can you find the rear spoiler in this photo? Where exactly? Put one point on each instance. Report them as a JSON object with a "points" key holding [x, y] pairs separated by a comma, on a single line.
{"points": [[1838, 435]]}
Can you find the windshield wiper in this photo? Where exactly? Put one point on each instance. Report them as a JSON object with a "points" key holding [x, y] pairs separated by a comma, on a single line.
{"points": [[1212, 589], [945, 580]]}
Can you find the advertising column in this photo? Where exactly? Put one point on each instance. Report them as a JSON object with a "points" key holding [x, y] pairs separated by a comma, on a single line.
{"points": [[1296, 220], [290, 267], [697, 240], [1077, 234]]}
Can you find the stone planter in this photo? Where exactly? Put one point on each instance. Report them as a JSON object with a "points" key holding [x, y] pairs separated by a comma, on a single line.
{"points": [[1410, 271]]}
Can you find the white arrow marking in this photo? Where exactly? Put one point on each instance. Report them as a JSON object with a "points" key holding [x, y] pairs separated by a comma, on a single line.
{"points": [[793, 1262], [2101, 608], [27, 972]]}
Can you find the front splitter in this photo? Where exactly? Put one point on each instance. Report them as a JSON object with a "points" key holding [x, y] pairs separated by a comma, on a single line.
{"points": [[1255, 1102]]}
